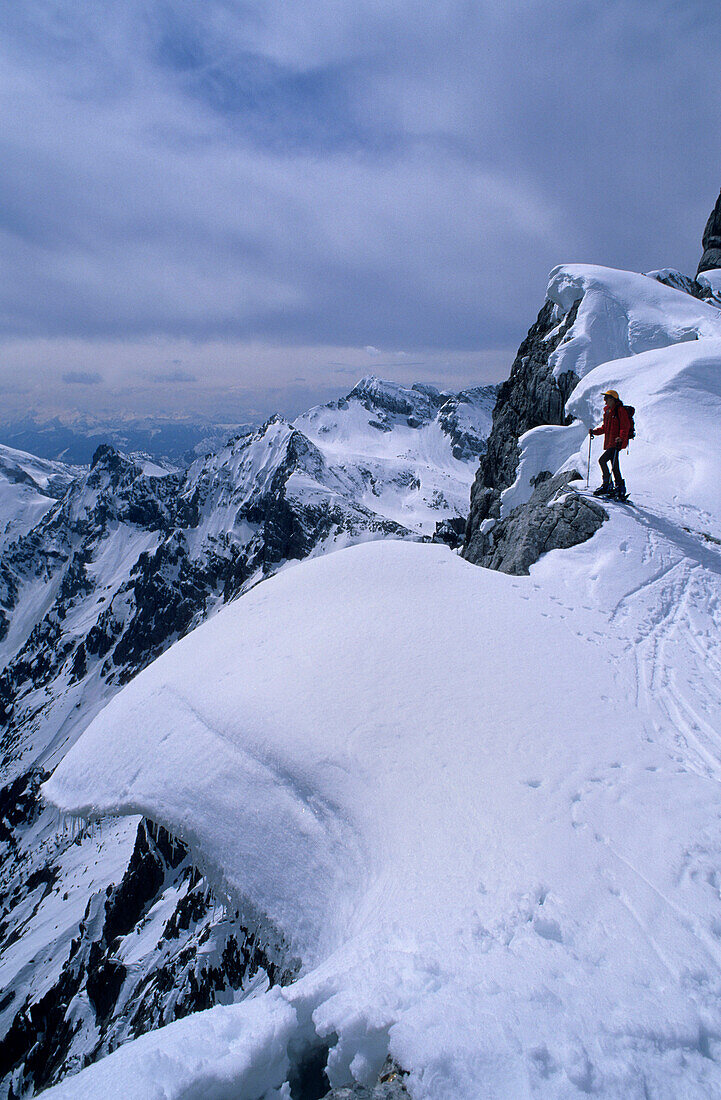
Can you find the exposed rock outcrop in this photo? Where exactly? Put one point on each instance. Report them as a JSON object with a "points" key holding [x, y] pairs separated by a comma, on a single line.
{"points": [[711, 241], [390, 1086], [555, 518], [669, 276], [531, 396]]}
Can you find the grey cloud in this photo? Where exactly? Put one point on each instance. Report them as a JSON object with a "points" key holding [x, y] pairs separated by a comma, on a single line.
{"points": [[174, 377], [325, 173], [82, 377]]}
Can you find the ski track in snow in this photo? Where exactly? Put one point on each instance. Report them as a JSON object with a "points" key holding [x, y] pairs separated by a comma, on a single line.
{"points": [[656, 618]]}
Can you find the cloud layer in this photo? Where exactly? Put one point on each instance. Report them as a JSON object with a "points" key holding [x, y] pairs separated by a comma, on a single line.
{"points": [[371, 174]]}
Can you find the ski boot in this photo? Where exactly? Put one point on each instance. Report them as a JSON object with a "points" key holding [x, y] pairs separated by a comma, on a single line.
{"points": [[604, 490], [619, 492]]}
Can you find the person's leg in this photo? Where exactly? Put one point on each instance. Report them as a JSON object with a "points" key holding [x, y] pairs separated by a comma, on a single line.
{"points": [[605, 473], [614, 453], [620, 484]]}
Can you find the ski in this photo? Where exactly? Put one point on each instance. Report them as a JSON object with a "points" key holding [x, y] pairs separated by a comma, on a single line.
{"points": [[610, 498]]}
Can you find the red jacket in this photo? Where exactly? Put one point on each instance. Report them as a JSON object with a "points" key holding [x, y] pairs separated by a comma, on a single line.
{"points": [[616, 425]]}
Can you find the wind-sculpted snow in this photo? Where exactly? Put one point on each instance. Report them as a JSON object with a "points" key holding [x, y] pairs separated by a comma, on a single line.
{"points": [[621, 313], [450, 824], [106, 579]]}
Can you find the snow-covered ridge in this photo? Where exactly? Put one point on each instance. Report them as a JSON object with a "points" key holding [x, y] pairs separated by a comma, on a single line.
{"points": [[659, 348], [387, 833], [415, 449], [464, 417]]}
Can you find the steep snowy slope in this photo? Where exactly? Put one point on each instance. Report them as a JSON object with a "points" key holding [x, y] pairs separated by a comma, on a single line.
{"points": [[495, 843], [29, 487], [413, 451], [592, 315], [621, 318]]}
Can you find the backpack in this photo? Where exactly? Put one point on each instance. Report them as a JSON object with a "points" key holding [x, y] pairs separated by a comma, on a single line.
{"points": [[630, 409]]}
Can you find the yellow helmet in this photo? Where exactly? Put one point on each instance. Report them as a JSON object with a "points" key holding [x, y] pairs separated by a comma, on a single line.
{"points": [[612, 393]]}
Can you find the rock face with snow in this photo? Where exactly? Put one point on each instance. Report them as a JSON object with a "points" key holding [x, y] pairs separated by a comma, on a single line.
{"points": [[532, 395], [555, 517], [148, 950], [711, 258], [592, 315], [118, 564]]}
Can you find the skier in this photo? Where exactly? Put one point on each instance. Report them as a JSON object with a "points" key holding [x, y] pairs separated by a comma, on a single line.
{"points": [[616, 429]]}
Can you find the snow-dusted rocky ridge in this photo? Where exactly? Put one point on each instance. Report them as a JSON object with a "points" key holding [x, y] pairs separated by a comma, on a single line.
{"points": [[412, 447], [100, 583], [592, 316]]}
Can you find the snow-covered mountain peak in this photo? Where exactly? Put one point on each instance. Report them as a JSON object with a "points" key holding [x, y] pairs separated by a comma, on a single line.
{"points": [[418, 401], [117, 488], [29, 487], [415, 447]]}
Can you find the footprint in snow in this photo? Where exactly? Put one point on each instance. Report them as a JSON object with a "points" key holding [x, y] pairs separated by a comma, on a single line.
{"points": [[548, 929]]}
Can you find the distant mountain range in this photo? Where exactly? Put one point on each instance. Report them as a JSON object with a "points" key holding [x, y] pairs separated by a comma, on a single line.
{"points": [[75, 440]]}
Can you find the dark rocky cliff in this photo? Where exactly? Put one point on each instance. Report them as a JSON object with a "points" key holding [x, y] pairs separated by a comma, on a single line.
{"points": [[711, 241], [531, 396]]}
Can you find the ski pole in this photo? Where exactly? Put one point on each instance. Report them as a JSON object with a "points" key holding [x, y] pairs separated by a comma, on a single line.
{"points": [[588, 469]]}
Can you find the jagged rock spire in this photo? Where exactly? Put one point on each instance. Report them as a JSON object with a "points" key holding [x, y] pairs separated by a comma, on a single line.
{"points": [[712, 240]]}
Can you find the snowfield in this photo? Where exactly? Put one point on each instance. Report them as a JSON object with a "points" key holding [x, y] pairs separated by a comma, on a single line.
{"points": [[483, 811]]}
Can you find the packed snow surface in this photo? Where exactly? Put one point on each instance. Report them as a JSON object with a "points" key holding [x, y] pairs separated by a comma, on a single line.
{"points": [[484, 811], [495, 848]]}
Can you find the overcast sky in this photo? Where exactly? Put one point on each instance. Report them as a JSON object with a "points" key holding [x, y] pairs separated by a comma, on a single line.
{"points": [[222, 207]]}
